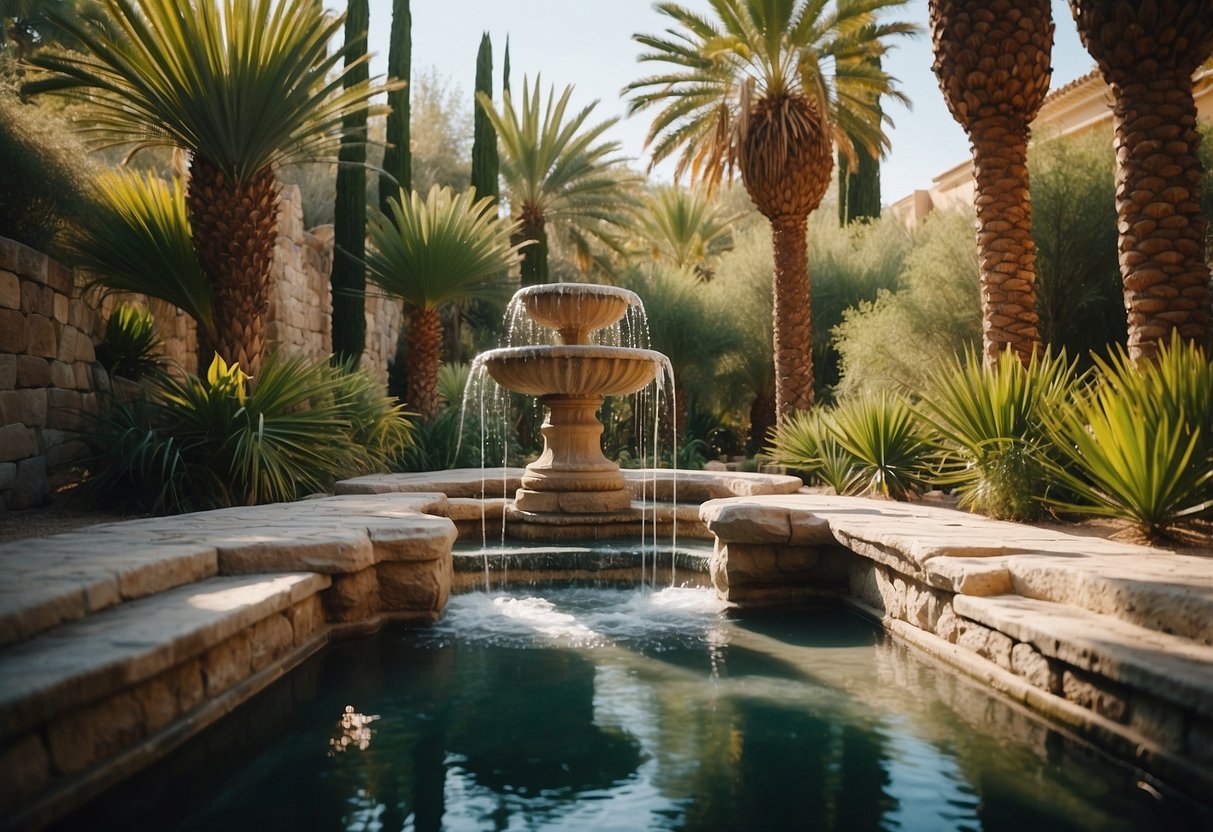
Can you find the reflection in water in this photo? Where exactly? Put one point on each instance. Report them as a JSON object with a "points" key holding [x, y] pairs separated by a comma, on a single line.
{"points": [[631, 710]]}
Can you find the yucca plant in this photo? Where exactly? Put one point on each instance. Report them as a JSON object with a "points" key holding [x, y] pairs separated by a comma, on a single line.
{"points": [[223, 440], [881, 432], [138, 239], [130, 349], [805, 441], [989, 430], [432, 251], [1139, 440]]}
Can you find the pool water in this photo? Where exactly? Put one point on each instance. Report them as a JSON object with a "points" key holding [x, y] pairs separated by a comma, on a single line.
{"points": [[593, 709]]}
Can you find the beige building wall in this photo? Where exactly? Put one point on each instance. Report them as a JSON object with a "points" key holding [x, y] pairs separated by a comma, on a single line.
{"points": [[1080, 106]]}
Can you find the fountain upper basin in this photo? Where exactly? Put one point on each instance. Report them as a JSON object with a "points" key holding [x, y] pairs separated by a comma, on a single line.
{"points": [[576, 309], [573, 370]]}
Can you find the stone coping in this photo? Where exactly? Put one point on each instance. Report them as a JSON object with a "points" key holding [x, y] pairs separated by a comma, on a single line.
{"points": [[973, 555], [654, 483]]}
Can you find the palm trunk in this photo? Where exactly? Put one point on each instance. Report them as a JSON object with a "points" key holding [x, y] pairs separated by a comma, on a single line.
{"points": [[424, 358], [1158, 185], [534, 256], [793, 316], [1005, 251], [235, 231]]}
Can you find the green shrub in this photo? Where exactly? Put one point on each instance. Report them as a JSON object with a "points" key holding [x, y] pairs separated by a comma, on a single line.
{"points": [[989, 429], [880, 431], [1140, 440], [130, 349], [805, 442], [44, 188], [191, 443], [897, 340]]}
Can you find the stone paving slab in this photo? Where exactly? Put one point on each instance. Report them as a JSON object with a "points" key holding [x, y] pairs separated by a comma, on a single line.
{"points": [[1171, 667], [974, 555], [48, 581], [457, 482], [86, 660]]}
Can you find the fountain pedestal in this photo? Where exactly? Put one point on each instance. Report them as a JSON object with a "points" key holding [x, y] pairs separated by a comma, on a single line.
{"points": [[572, 476]]}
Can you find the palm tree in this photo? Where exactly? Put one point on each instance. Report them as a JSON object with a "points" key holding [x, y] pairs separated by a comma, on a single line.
{"points": [[1147, 53], [686, 228], [242, 85], [768, 88], [557, 172], [433, 251], [992, 62]]}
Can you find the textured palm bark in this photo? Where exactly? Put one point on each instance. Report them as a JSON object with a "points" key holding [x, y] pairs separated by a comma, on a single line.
{"points": [[992, 62], [1006, 254], [1147, 51], [235, 228], [423, 358], [792, 317], [786, 173], [535, 256]]}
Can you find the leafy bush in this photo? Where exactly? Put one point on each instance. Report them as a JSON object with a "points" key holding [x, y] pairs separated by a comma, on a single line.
{"points": [[44, 189], [880, 431], [897, 340], [1079, 294], [130, 349], [989, 428], [193, 443], [1140, 440]]}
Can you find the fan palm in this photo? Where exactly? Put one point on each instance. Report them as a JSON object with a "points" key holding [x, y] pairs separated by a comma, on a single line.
{"points": [[558, 172], [243, 85], [768, 88], [992, 61], [687, 228], [433, 251], [1147, 53]]}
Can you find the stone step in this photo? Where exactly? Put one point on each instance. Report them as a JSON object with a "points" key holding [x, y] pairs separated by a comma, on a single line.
{"points": [[88, 660], [1173, 668]]}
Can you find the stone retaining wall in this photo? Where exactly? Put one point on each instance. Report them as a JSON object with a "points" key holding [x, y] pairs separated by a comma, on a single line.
{"points": [[49, 326], [1145, 695]]}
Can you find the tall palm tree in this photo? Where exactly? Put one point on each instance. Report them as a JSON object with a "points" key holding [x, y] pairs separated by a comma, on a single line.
{"points": [[686, 228], [433, 251], [558, 172], [242, 85], [1147, 53], [992, 62], [768, 88]]}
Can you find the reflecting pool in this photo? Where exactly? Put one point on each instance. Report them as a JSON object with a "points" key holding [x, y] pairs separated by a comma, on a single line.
{"points": [[597, 709]]}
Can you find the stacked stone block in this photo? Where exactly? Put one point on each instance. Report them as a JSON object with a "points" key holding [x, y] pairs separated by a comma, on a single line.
{"points": [[48, 373]]}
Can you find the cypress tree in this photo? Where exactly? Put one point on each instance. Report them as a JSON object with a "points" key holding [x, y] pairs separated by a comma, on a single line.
{"points": [[397, 157], [859, 189], [485, 163], [348, 279]]}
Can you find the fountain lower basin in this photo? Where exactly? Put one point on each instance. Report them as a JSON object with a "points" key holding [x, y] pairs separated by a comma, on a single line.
{"points": [[573, 369]]}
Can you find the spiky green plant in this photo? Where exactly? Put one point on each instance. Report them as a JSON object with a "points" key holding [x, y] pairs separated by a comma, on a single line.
{"points": [[989, 428], [431, 251], [130, 348], [224, 440], [805, 441], [881, 432], [1139, 440], [687, 229], [138, 240]]}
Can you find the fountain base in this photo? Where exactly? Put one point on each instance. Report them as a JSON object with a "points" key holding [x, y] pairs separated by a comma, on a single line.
{"points": [[572, 476]]}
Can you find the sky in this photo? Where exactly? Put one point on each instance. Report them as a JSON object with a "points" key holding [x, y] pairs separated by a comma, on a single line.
{"points": [[588, 43]]}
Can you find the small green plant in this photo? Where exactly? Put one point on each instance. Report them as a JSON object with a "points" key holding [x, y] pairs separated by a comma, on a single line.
{"points": [[880, 431], [1139, 440], [130, 349], [191, 443], [804, 441], [989, 431]]}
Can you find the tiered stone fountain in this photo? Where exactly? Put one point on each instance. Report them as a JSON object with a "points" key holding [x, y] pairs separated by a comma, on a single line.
{"points": [[572, 476]]}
